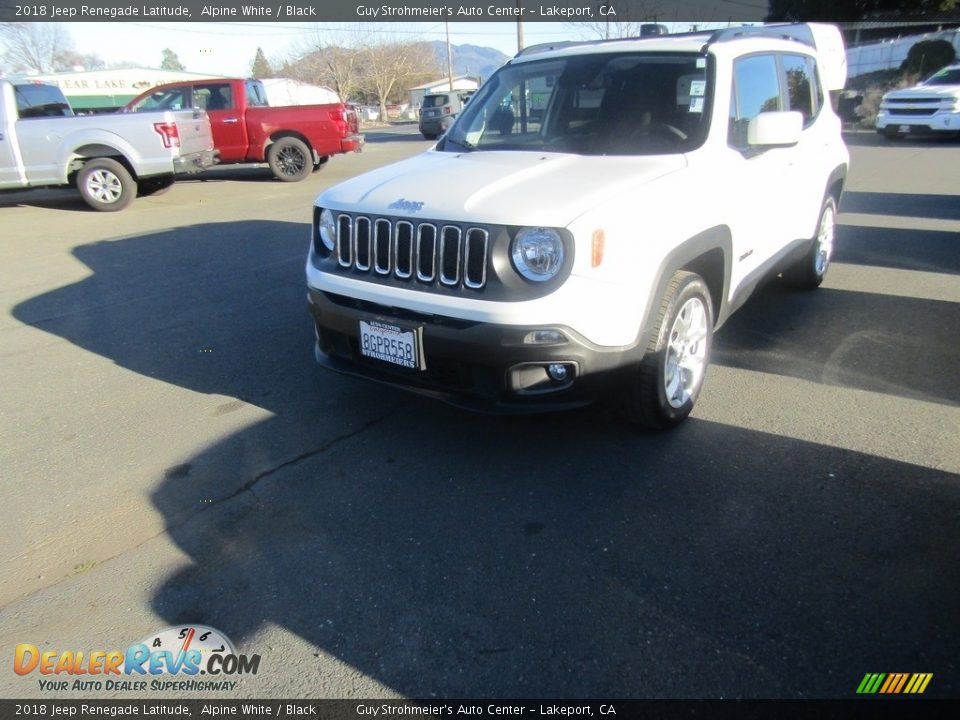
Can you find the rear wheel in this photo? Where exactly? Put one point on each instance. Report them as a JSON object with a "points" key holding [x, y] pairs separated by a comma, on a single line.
{"points": [[290, 159], [106, 185], [808, 272], [663, 389]]}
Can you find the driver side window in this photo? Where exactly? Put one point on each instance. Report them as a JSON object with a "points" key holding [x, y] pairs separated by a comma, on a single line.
{"points": [[756, 89]]}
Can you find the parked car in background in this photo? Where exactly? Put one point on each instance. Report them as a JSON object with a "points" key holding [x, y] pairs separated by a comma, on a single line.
{"points": [[109, 158], [293, 140], [930, 108], [439, 111]]}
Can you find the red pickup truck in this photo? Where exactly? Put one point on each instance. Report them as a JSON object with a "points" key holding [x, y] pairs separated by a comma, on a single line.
{"points": [[294, 140]]}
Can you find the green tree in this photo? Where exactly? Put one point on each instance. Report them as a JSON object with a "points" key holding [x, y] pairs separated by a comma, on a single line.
{"points": [[261, 67], [927, 56], [171, 61]]}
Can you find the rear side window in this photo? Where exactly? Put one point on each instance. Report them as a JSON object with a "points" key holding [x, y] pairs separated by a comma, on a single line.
{"points": [[35, 101], [256, 96], [432, 101], [803, 89], [756, 89]]}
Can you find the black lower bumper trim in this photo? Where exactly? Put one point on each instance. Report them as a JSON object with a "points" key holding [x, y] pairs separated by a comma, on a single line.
{"points": [[479, 366]]}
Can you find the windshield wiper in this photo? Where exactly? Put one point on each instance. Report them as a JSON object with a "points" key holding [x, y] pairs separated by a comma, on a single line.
{"points": [[465, 144]]}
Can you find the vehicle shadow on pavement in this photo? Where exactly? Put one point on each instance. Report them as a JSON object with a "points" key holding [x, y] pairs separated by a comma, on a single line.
{"points": [[447, 554], [904, 249], [939, 207], [868, 341], [67, 199]]}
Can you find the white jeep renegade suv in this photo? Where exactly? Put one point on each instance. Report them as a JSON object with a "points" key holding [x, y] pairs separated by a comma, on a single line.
{"points": [[594, 214]]}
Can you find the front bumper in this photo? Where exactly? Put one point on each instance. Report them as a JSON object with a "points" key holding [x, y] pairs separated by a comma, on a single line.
{"points": [[941, 122], [480, 366], [195, 162]]}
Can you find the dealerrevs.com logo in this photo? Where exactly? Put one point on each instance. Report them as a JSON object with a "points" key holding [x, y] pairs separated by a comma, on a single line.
{"points": [[172, 659]]}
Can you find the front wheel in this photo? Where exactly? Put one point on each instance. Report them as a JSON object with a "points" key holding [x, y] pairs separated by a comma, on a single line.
{"points": [[290, 159], [808, 272], [663, 389], [106, 185]]}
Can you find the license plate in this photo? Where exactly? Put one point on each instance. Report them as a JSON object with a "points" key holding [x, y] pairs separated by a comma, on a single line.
{"points": [[904, 128], [391, 343]]}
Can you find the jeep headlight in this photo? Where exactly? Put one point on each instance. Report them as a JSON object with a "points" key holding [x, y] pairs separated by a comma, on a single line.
{"points": [[537, 253], [327, 227]]}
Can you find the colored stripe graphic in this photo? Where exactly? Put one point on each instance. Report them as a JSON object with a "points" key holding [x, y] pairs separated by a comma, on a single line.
{"points": [[894, 683]]}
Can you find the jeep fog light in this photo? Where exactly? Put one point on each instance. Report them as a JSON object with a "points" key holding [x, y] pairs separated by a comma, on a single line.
{"points": [[328, 230], [557, 371], [544, 337], [537, 253]]}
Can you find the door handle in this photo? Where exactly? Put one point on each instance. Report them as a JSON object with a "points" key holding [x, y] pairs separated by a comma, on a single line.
{"points": [[230, 121]]}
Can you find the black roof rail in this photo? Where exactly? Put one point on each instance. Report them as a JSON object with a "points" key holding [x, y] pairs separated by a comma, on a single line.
{"points": [[799, 32]]}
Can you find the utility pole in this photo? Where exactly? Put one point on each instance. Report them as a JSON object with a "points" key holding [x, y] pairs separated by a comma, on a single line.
{"points": [[449, 56], [519, 29]]}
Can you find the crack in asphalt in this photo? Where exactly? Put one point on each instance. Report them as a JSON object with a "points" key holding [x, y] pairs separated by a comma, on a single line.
{"points": [[248, 486]]}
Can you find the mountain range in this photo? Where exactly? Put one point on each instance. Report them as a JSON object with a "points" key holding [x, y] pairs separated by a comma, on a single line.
{"points": [[471, 60]]}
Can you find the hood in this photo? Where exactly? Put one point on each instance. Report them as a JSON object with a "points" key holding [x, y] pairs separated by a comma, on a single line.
{"points": [[496, 187], [924, 91]]}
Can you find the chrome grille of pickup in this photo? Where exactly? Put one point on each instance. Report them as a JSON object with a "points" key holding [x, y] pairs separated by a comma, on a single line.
{"points": [[432, 253]]}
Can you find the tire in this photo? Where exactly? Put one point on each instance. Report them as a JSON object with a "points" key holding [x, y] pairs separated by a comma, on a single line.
{"points": [[106, 185], [154, 185], [290, 159], [808, 272], [663, 389], [429, 136]]}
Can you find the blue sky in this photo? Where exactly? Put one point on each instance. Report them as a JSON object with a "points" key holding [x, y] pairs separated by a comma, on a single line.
{"points": [[228, 48]]}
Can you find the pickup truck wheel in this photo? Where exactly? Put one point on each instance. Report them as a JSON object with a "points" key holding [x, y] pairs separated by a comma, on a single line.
{"points": [[665, 386], [290, 159], [106, 185], [810, 270]]}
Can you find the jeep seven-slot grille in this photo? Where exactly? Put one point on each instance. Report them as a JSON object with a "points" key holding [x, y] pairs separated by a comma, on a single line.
{"points": [[431, 253]]}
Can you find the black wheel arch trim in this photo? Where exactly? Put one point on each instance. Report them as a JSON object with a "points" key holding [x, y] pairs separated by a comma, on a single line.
{"points": [[699, 246]]}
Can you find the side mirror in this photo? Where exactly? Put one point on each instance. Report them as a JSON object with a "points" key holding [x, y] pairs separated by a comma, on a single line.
{"points": [[773, 129]]}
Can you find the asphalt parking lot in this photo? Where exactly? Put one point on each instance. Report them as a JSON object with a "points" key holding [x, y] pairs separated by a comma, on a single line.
{"points": [[171, 454]]}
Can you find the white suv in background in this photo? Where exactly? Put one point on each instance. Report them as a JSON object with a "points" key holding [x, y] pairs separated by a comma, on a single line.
{"points": [[594, 214], [932, 107]]}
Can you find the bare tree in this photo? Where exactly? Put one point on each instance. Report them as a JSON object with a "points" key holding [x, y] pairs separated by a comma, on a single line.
{"points": [[33, 47], [71, 59], [392, 68], [327, 60]]}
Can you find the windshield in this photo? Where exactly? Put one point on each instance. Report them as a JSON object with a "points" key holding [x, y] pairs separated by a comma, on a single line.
{"points": [[611, 104], [947, 76]]}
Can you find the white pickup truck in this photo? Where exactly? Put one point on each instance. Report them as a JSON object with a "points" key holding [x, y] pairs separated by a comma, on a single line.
{"points": [[930, 108], [109, 158], [593, 215]]}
